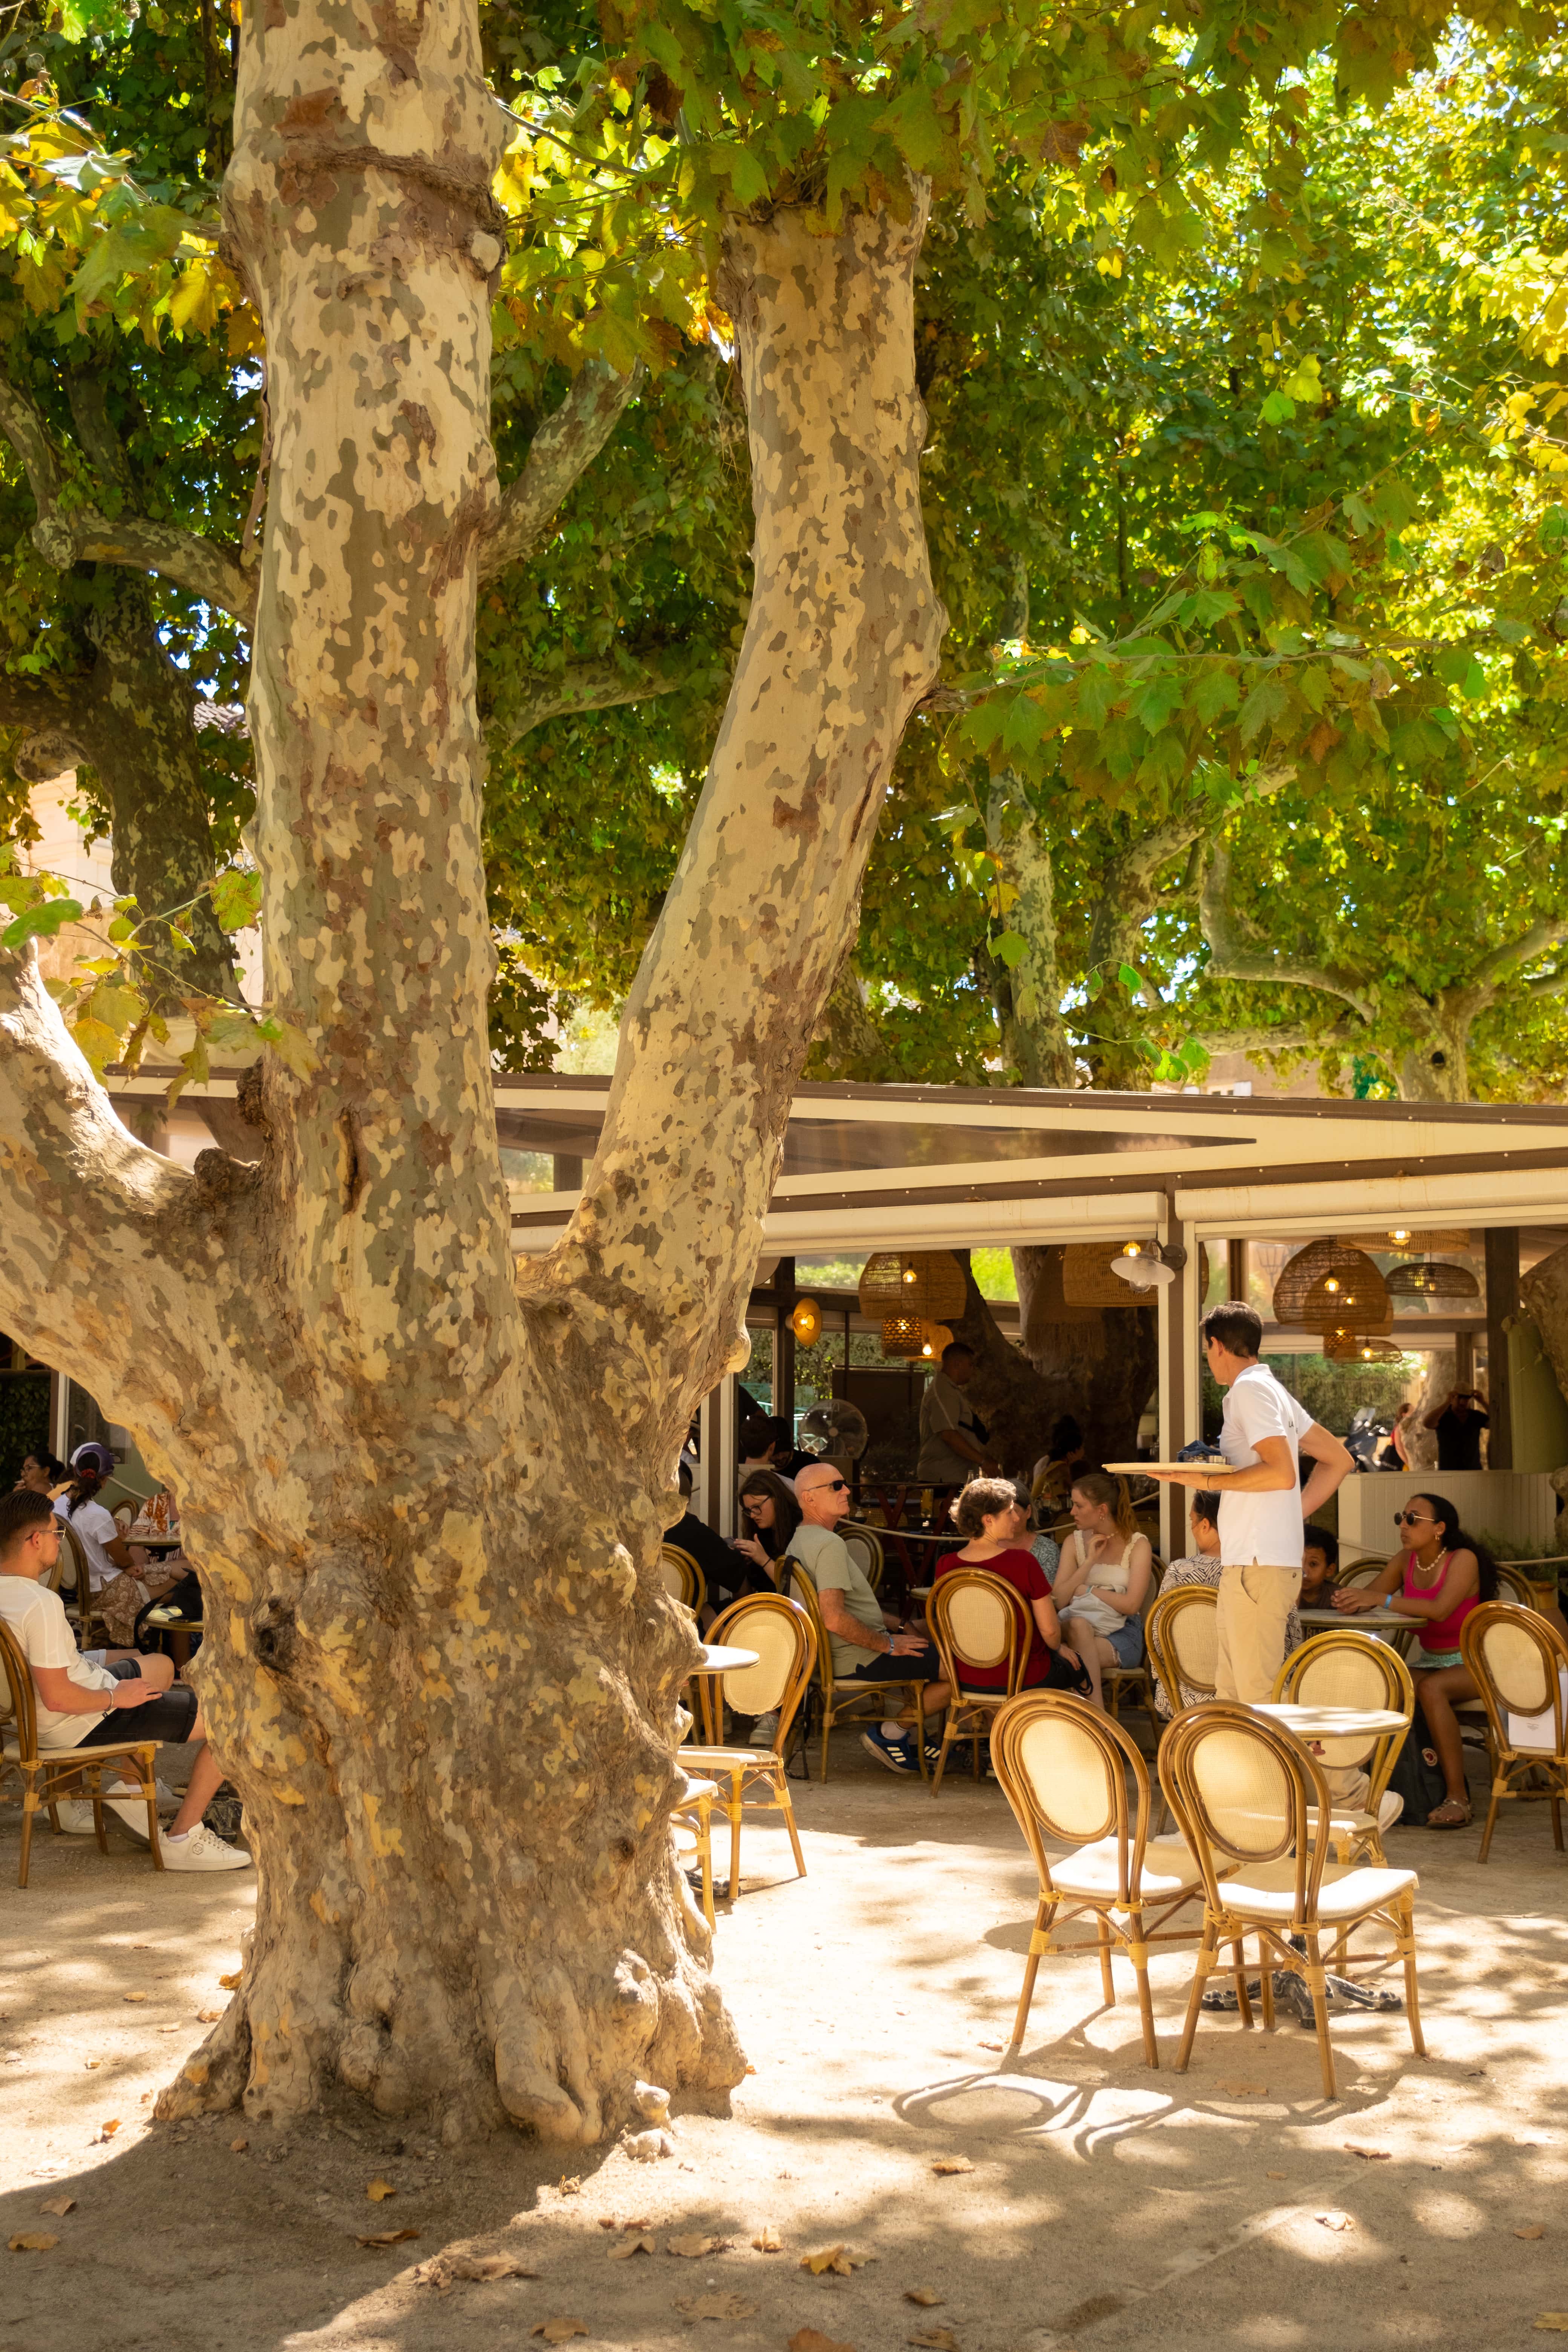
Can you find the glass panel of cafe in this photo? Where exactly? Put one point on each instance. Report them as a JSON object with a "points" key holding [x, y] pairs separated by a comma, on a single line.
{"points": [[1434, 1343]]}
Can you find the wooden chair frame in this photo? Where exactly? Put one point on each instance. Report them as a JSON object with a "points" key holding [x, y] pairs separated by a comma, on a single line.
{"points": [[834, 1709], [969, 1712], [1125, 1921], [1304, 1836], [1353, 1842], [42, 1775], [1158, 1644], [693, 1592], [691, 1833], [1506, 1760], [855, 1537], [1118, 1683], [756, 1776]]}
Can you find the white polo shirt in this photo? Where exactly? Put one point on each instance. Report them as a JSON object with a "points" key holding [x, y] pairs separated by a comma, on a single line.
{"points": [[1262, 1527]]}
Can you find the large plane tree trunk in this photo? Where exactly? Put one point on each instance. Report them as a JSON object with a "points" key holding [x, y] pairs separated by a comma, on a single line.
{"points": [[426, 1496]]}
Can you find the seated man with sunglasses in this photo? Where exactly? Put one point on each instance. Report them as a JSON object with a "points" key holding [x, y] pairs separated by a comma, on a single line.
{"points": [[867, 1646]]}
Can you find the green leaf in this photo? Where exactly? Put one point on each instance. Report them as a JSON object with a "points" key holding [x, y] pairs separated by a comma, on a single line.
{"points": [[1277, 409], [292, 1048], [1128, 979], [41, 922], [236, 899], [1010, 947], [1269, 700]]}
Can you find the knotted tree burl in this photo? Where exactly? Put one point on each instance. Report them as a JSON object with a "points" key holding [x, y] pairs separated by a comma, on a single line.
{"points": [[425, 1491]]}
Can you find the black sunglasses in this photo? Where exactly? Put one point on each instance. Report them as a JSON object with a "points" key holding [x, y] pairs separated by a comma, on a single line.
{"points": [[834, 1487], [1409, 1520]]}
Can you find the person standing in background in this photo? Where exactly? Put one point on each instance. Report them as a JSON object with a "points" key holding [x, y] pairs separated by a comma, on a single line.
{"points": [[1458, 1424], [953, 1439]]}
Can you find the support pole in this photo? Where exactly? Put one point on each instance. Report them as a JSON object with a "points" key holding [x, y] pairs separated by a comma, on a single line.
{"points": [[1503, 1306], [785, 1296]]}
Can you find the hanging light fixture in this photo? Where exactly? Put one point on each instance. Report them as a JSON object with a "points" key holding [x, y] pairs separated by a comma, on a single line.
{"points": [[807, 1321], [936, 1338], [910, 1289], [1140, 1264], [903, 1335], [1401, 1237], [1329, 1284], [1431, 1278]]}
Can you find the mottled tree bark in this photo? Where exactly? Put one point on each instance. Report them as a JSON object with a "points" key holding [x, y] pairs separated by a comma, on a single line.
{"points": [[1103, 1373], [424, 1494]]}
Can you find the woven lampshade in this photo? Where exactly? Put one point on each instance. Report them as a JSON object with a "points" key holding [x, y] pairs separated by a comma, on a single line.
{"points": [[936, 1338], [925, 1283], [1401, 1237], [1330, 1283], [902, 1335], [1350, 1348], [1087, 1278], [1426, 1277]]}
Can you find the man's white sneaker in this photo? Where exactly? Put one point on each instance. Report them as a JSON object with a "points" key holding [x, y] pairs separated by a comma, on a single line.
{"points": [[74, 1815], [203, 1850], [764, 1731]]}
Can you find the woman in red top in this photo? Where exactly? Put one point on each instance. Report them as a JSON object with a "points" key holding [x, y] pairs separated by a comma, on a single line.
{"points": [[1442, 1577], [989, 1514]]}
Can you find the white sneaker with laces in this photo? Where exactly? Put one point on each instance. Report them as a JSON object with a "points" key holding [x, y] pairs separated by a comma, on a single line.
{"points": [[764, 1731], [74, 1815], [203, 1850]]}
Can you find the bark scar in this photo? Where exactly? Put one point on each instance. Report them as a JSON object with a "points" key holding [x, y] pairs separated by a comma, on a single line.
{"points": [[351, 1175]]}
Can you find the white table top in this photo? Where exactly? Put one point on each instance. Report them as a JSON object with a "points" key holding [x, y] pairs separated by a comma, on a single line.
{"points": [[1330, 1722], [718, 1659]]}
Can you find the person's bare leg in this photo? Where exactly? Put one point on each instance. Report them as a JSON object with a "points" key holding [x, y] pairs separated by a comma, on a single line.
{"points": [[1437, 1693], [1079, 1635], [207, 1778]]}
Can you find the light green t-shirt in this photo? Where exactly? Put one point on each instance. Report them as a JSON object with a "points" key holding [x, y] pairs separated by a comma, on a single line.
{"points": [[827, 1559]]}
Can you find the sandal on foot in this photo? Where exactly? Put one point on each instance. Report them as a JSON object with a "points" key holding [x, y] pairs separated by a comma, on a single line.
{"points": [[1453, 1813]]}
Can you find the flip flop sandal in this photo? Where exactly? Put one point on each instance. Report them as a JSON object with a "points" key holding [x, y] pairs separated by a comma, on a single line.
{"points": [[1459, 1816]]}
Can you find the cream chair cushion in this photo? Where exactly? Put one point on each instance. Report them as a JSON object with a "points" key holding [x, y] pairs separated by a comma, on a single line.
{"points": [[1168, 1867], [1268, 1890]]}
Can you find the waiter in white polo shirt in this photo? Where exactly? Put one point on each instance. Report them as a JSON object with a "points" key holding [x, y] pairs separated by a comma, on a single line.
{"points": [[1262, 1506]]}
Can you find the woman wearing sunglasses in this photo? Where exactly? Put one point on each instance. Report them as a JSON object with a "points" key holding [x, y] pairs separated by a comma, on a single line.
{"points": [[1441, 1574]]}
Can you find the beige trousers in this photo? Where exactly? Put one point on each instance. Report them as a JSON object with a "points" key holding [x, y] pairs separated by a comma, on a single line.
{"points": [[1254, 1603]]}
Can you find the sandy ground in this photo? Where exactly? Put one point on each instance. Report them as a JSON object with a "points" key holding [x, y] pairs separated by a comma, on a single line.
{"points": [[1107, 2206]]}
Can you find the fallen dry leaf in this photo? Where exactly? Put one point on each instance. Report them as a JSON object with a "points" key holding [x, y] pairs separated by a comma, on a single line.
{"points": [[810, 2339], [569, 2185], [1274, 2176], [715, 2306], [556, 2331], [952, 2164], [838, 2259], [626, 2247], [767, 2240], [92, 2063], [927, 2295], [33, 2241], [237, 2146], [751, 2070], [388, 2237], [993, 2045], [106, 2131], [379, 2192], [228, 1983], [691, 2250], [937, 2340], [62, 2205], [203, 2017], [135, 1996], [443, 2271], [1245, 2090], [1558, 2319], [1372, 2155], [1536, 2228], [1335, 2221], [606, 2220]]}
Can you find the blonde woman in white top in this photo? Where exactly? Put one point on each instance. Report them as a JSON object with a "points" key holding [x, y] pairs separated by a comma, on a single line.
{"points": [[1104, 1577]]}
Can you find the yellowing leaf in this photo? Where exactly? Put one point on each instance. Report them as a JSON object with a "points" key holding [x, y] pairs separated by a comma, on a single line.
{"points": [[927, 2295], [1245, 2090], [228, 1983], [936, 2339], [691, 2250], [811, 2340], [379, 2192], [33, 2241], [952, 2164], [63, 2205], [1557, 2319], [387, 2237], [193, 302], [97, 1041], [838, 2259], [135, 1996], [1536, 2228], [767, 2240], [626, 2247], [238, 2146], [556, 2331], [209, 2016]]}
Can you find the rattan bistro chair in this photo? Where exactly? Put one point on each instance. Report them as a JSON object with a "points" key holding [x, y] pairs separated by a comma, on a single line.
{"points": [[1345, 1668], [1252, 1805], [782, 1637], [42, 1776], [975, 1620], [1517, 1659], [683, 1579], [1135, 1682], [691, 1836], [1181, 1635], [845, 1701], [1065, 1766], [864, 1545]]}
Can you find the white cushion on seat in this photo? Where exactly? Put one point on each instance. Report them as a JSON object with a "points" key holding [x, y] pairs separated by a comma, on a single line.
{"points": [[1390, 1805], [730, 1759], [1268, 1890], [1168, 1867]]}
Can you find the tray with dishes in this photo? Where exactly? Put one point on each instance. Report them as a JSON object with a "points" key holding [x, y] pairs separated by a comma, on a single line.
{"points": [[1216, 1467]]}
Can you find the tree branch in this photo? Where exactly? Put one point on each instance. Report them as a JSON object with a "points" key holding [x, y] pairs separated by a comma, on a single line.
{"points": [[1538, 940], [562, 449], [1289, 1038], [79, 534], [1231, 957], [588, 686]]}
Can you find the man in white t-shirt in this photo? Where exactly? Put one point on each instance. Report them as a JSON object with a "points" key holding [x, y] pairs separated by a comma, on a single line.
{"points": [[1262, 1506]]}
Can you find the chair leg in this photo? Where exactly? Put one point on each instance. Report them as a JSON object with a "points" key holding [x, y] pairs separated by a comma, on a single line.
{"points": [[1106, 1981], [941, 1759], [1266, 1982], [1499, 1790], [787, 1808], [29, 1807], [1040, 1944], [827, 1726], [1138, 1950], [1243, 1998], [734, 1809], [1557, 1821], [921, 1729], [1317, 1986], [1207, 1954], [1406, 1942]]}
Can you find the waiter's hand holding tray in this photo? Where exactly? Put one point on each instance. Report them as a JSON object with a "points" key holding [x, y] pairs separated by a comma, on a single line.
{"points": [[1218, 1468]]}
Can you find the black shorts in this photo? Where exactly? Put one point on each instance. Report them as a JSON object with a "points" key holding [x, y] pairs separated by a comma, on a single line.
{"points": [[167, 1719], [921, 1666]]}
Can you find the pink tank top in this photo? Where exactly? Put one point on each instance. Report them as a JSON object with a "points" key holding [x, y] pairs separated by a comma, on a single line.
{"points": [[1441, 1633]]}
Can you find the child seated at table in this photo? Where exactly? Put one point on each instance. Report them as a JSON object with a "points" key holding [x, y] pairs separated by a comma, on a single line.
{"points": [[1320, 1568]]}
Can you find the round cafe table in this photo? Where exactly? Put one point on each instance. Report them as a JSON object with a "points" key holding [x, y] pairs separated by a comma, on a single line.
{"points": [[1330, 1722], [154, 1542]]}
